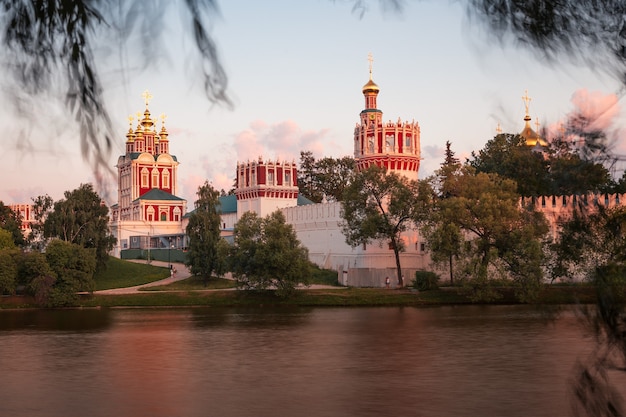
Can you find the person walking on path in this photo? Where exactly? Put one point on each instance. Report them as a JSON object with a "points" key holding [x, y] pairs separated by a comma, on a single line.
{"points": [[387, 282]]}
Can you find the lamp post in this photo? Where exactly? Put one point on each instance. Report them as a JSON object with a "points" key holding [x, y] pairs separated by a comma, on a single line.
{"points": [[149, 245], [169, 254]]}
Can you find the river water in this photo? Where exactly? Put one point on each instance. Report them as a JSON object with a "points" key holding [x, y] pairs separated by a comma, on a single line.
{"points": [[441, 361]]}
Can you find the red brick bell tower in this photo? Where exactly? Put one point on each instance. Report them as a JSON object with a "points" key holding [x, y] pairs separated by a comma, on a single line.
{"points": [[393, 145]]}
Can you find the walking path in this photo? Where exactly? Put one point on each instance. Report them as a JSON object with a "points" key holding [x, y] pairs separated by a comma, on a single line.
{"points": [[182, 272]]}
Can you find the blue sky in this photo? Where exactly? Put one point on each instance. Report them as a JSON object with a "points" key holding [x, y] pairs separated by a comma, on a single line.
{"points": [[295, 75]]}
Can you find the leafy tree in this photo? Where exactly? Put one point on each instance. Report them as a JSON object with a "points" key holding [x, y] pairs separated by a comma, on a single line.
{"points": [[501, 240], [11, 222], [42, 206], [203, 230], [8, 263], [570, 174], [445, 242], [33, 273], [444, 239], [620, 185], [508, 156], [560, 170], [6, 239], [450, 159], [379, 205], [8, 271], [243, 261], [307, 184], [324, 178], [334, 175], [82, 218], [592, 238], [73, 267], [267, 253]]}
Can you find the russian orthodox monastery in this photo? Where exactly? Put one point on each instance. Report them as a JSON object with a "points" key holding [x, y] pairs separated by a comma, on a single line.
{"points": [[150, 215]]}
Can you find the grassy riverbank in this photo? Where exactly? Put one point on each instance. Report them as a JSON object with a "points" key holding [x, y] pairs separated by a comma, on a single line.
{"points": [[332, 297], [220, 292], [347, 297]]}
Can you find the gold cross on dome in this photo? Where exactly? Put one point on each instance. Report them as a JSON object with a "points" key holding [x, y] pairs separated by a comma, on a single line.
{"points": [[147, 97], [526, 101], [370, 58], [498, 129], [163, 116], [130, 120]]}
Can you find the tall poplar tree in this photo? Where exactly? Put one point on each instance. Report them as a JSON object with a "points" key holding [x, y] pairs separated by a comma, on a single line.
{"points": [[203, 230]]}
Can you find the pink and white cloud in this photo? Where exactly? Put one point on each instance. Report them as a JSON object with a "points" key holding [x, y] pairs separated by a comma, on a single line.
{"points": [[602, 110], [283, 140]]}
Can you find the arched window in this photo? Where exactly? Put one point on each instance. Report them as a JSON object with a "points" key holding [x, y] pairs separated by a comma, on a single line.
{"points": [[163, 216], [165, 178], [155, 178], [150, 214], [144, 178], [389, 143]]}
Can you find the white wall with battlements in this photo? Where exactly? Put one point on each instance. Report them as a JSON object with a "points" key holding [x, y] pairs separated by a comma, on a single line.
{"points": [[559, 208], [318, 227]]}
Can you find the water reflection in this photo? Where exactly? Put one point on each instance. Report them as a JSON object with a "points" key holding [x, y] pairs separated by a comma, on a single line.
{"points": [[444, 361], [55, 320]]}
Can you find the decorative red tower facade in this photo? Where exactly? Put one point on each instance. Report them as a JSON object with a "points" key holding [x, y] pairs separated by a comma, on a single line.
{"points": [[148, 212], [395, 146], [265, 186], [147, 173]]}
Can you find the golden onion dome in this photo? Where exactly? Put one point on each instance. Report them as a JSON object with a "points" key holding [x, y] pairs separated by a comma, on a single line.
{"points": [[531, 137], [371, 86]]}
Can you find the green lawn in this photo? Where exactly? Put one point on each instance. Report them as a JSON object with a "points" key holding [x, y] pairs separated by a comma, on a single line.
{"points": [[120, 273], [324, 276], [347, 297], [194, 283]]}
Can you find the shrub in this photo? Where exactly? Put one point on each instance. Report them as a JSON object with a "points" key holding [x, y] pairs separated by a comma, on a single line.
{"points": [[8, 272], [426, 280]]}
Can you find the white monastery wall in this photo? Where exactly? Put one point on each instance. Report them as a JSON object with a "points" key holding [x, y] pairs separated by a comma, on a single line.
{"points": [[318, 227]]}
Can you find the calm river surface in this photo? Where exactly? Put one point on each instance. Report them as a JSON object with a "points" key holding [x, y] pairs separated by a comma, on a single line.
{"points": [[436, 362]]}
